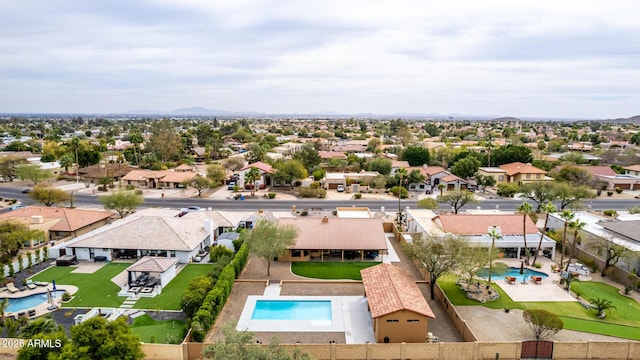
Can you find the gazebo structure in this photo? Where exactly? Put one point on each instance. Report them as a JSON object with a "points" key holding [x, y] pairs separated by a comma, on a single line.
{"points": [[150, 274]]}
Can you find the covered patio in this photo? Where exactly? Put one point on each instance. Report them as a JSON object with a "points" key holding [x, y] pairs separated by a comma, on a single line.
{"points": [[149, 275]]}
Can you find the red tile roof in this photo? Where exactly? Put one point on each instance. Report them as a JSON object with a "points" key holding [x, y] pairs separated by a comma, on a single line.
{"points": [[632, 167], [260, 166], [70, 219], [478, 224], [599, 170], [390, 289], [520, 168], [338, 233], [331, 155]]}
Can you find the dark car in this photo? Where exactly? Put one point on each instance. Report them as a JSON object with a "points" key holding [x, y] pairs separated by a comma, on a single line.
{"points": [[26, 191]]}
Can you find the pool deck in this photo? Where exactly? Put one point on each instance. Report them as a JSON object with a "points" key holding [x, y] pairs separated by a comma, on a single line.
{"points": [[42, 308], [546, 290]]}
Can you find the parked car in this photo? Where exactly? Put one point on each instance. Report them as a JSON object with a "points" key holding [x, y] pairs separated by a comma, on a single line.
{"points": [[340, 188], [231, 185]]}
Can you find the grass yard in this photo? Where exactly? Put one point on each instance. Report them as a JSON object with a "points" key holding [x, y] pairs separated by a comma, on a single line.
{"points": [[94, 290], [172, 293], [165, 331], [330, 270], [623, 322]]}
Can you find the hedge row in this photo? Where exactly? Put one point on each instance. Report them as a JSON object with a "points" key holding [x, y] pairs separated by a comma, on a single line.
{"points": [[216, 298]]}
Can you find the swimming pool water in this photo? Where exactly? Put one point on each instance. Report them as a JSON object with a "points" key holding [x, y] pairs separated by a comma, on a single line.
{"points": [[292, 310], [512, 271], [31, 301]]}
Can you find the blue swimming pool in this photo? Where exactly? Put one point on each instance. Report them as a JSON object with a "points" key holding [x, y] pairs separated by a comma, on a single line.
{"points": [[292, 310], [31, 301], [512, 271]]}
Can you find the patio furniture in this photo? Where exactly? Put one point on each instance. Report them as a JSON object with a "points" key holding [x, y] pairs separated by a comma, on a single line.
{"points": [[12, 288], [510, 279], [32, 313], [135, 289], [536, 279], [151, 282], [146, 290], [41, 283], [31, 285]]}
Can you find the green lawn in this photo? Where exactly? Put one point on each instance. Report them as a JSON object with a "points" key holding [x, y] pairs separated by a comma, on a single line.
{"points": [[94, 290], [166, 331], [330, 270], [172, 293], [623, 322]]}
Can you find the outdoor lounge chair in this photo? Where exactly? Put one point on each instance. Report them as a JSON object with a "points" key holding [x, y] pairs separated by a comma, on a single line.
{"points": [[41, 283], [32, 313], [31, 285], [536, 279], [12, 288], [510, 279]]}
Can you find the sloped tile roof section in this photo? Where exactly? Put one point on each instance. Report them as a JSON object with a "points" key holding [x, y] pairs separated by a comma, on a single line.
{"points": [[70, 219], [338, 234], [390, 289], [153, 264], [628, 229], [520, 168], [260, 166], [479, 224]]}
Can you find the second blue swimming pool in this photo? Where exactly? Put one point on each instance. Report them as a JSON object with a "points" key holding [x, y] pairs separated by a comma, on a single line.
{"points": [[292, 310]]}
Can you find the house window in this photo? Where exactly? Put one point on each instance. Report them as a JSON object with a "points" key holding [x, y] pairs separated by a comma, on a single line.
{"points": [[105, 249], [500, 177], [538, 176], [173, 253], [528, 176], [393, 321], [413, 321]]}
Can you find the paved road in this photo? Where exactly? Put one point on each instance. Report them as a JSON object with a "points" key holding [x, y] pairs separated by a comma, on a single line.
{"points": [[266, 204]]}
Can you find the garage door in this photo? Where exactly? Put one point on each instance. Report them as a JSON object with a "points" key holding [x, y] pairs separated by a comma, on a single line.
{"points": [[624, 186], [333, 186]]}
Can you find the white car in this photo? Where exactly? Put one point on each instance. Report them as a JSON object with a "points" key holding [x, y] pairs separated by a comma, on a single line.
{"points": [[340, 188]]}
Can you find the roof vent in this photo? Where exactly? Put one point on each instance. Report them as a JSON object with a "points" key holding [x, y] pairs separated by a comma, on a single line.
{"points": [[325, 219], [37, 219]]}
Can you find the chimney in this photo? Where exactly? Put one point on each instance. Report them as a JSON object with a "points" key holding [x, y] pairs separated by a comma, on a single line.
{"points": [[37, 219], [325, 219]]}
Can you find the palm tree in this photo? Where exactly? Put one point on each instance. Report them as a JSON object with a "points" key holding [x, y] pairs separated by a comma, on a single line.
{"points": [[601, 305], [525, 209], [250, 178], [547, 207], [39, 326], [494, 234], [4, 304], [441, 187], [567, 216], [576, 225]]}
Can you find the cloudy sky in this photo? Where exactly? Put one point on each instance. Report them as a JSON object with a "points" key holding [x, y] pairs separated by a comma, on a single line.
{"points": [[575, 59]]}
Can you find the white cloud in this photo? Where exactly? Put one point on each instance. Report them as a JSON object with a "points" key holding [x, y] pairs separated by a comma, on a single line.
{"points": [[520, 58]]}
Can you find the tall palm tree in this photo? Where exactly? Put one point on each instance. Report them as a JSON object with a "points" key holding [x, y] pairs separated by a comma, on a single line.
{"points": [[576, 225], [525, 209], [567, 216], [547, 207], [494, 234], [250, 178]]}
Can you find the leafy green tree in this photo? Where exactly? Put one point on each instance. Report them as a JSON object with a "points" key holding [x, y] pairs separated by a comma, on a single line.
{"points": [[136, 138], [538, 192], [571, 195], [507, 189], [611, 252], [289, 171], [308, 156], [234, 163], [437, 256], [269, 239], [217, 174], [56, 339], [33, 173], [511, 153], [250, 178], [255, 152], [121, 201], [601, 304], [98, 338], [12, 237], [416, 155], [573, 175], [457, 199], [415, 177], [164, 142], [380, 164], [240, 345], [199, 183], [404, 193], [473, 259], [428, 203], [465, 168], [485, 181], [66, 161], [195, 294], [8, 167], [544, 323]]}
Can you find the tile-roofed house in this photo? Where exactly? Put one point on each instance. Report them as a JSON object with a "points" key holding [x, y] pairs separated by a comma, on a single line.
{"points": [[58, 223], [599, 170], [93, 173], [326, 155], [340, 237], [153, 179], [632, 170], [478, 224], [399, 311], [266, 172], [148, 232], [518, 172]]}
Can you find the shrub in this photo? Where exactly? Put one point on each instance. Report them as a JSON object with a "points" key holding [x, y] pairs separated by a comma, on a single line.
{"points": [[219, 251], [304, 213], [357, 196], [507, 189], [129, 187], [271, 195], [609, 193], [138, 192], [404, 193], [610, 213], [312, 193], [538, 265], [618, 189], [634, 210], [66, 296], [598, 192]]}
